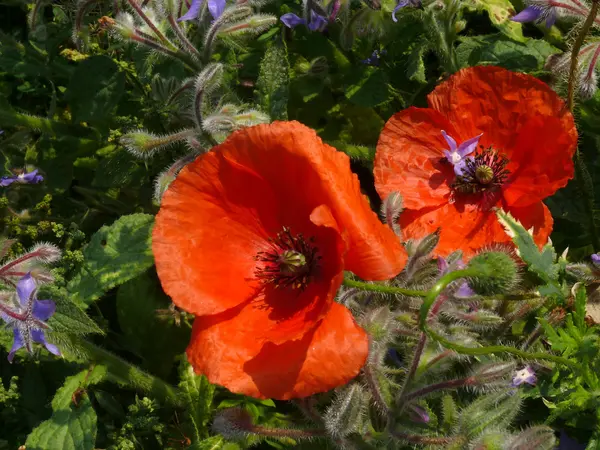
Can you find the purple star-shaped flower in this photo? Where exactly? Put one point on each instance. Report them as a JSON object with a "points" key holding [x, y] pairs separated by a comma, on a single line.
{"points": [[536, 14], [596, 259], [457, 155], [403, 3], [316, 23], [25, 178], [215, 7], [27, 317], [525, 375], [463, 291]]}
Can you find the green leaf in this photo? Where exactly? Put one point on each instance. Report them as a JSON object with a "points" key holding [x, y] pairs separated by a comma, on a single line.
{"points": [[95, 89], [543, 263], [69, 318], [358, 152], [214, 443], [63, 399], [273, 81], [498, 50], [115, 255], [415, 70], [499, 12], [155, 340], [580, 312], [198, 394], [367, 87], [67, 429]]}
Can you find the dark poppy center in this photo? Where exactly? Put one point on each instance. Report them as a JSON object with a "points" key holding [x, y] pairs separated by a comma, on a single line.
{"points": [[290, 262], [483, 173]]}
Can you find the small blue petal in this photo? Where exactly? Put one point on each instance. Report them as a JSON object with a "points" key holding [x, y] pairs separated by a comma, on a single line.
{"points": [[400, 4], [596, 259], [30, 177], [17, 344], [317, 22], [291, 20], [566, 443], [7, 181], [464, 291], [38, 336], [43, 309], [529, 14], [25, 287], [192, 12], [216, 8]]}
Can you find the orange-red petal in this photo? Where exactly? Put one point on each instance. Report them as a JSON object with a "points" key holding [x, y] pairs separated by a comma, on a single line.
{"points": [[541, 163], [409, 158], [498, 103], [304, 173], [466, 228], [226, 350]]}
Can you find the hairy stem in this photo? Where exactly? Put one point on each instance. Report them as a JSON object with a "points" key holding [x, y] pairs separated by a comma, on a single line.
{"points": [[183, 38], [383, 289], [450, 384]]}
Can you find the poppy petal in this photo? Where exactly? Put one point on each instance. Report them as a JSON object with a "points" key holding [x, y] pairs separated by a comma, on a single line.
{"points": [[410, 158], [316, 173], [496, 102], [327, 356], [542, 161], [467, 228]]}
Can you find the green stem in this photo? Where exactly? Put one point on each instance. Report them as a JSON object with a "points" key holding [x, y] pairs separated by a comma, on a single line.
{"points": [[499, 349], [383, 289], [126, 373], [54, 127]]}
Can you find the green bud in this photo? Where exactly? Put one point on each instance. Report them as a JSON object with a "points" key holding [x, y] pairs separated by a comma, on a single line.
{"points": [[539, 438], [345, 415], [493, 440], [144, 144], [496, 273]]}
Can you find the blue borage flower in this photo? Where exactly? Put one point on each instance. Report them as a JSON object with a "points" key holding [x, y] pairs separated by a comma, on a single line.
{"points": [[525, 375], [457, 155], [405, 3], [27, 317], [317, 22], [463, 291], [549, 11], [375, 58], [215, 7], [24, 178]]}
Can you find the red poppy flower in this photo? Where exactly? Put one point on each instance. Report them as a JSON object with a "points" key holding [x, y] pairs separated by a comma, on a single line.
{"points": [[253, 238], [490, 138]]}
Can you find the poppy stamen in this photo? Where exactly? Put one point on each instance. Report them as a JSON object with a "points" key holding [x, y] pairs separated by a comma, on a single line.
{"points": [[483, 173], [290, 262]]}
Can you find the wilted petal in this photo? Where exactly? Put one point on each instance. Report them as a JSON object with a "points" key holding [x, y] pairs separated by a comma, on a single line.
{"points": [[442, 265], [419, 414], [529, 14], [192, 12], [38, 336], [25, 288], [291, 20], [216, 8], [43, 309], [17, 344]]}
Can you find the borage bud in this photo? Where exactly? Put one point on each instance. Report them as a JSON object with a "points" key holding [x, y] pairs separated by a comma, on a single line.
{"points": [[540, 437], [144, 144], [495, 373], [124, 26], [45, 253], [391, 208], [256, 24], [345, 414], [496, 273], [163, 181]]}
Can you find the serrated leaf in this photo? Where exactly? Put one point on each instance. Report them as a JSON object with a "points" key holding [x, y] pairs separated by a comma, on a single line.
{"points": [[115, 255], [198, 394], [156, 341], [541, 263], [68, 318], [499, 12], [415, 70], [273, 81], [67, 429], [498, 50], [63, 398], [95, 89]]}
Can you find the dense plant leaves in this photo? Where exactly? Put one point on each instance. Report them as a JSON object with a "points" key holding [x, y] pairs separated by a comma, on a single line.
{"points": [[63, 399], [115, 254], [198, 394], [273, 81], [95, 89], [155, 340], [67, 429], [367, 87], [498, 50]]}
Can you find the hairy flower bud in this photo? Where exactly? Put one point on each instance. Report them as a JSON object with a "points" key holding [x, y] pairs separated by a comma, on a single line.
{"points": [[345, 415], [390, 210], [253, 25], [539, 438], [486, 374], [496, 273], [144, 144], [163, 181]]}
